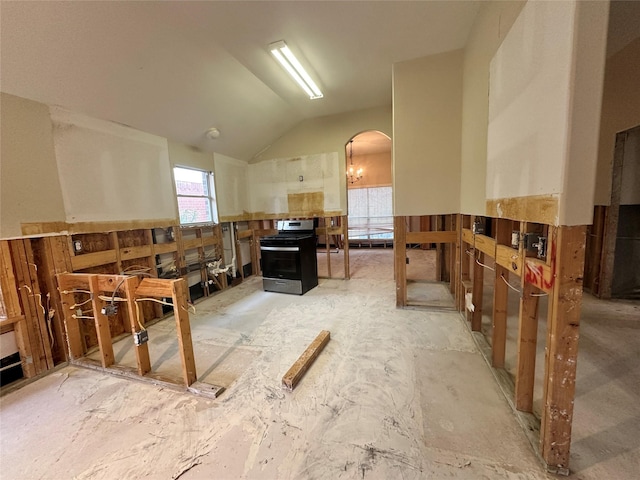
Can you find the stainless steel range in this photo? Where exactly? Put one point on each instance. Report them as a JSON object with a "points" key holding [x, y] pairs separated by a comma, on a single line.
{"points": [[289, 263]]}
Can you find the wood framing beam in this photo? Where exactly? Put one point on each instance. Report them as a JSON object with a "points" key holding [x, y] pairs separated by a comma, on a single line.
{"points": [[561, 353], [155, 288], [478, 290], [509, 258], [72, 324], [136, 322], [500, 301], [88, 260], [527, 342], [431, 237], [300, 367], [400, 256], [534, 208], [102, 323], [344, 223], [183, 329]]}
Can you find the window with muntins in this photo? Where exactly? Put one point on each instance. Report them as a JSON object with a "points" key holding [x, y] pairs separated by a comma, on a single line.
{"points": [[196, 196]]}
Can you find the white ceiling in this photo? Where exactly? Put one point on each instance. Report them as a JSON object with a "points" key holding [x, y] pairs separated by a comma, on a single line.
{"points": [[176, 69]]}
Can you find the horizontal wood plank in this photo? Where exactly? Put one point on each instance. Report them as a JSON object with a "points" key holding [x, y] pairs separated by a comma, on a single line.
{"points": [[192, 243], [539, 274], [299, 368], [130, 253], [240, 234], [88, 260], [467, 236], [431, 237], [155, 288], [486, 245], [160, 248], [509, 258]]}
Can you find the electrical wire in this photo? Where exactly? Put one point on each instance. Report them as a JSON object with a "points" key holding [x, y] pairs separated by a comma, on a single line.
{"points": [[509, 285], [82, 316], [75, 305], [66, 292]]}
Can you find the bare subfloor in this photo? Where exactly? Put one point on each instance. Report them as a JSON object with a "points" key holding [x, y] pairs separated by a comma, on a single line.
{"points": [[395, 394]]}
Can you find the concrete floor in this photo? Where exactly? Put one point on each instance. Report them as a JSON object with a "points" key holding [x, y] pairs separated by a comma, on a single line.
{"points": [[395, 394]]}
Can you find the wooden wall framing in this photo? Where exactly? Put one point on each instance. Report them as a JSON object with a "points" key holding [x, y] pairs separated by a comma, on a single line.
{"points": [[558, 275]]}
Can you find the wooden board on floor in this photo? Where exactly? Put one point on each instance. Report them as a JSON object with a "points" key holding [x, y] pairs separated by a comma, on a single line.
{"points": [[298, 369]]}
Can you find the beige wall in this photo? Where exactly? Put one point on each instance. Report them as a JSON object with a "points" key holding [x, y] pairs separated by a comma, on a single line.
{"points": [[376, 168], [182, 155], [587, 78], [427, 116], [29, 185], [620, 111], [231, 187], [110, 172], [544, 109], [329, 134], [491, 25]]}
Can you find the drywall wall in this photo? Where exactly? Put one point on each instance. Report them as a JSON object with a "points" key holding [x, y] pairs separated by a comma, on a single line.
{"points": [[30, 188], [492, 23], [232, 189], [585, 102], [329, 134], [620, 111], [427, 123], [308, 185], [181, 155], [544, 100], [110, 172]]}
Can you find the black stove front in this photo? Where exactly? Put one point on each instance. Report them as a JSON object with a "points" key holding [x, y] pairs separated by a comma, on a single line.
{"points": [[289, 263]]}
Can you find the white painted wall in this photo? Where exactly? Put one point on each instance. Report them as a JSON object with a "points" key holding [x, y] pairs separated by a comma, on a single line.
{"points": [[272, 181], [427, 124], [110, 172], [30, 188], [544, 100], [492, 23], [232, 189]]}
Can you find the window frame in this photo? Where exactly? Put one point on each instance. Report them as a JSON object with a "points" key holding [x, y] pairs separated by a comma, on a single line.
{"points": [[209, 177]]}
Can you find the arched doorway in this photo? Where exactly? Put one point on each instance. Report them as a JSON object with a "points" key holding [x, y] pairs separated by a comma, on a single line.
{"points": [[370, 202]]}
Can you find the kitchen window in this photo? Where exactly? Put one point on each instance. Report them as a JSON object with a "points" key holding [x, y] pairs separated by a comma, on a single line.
{"points": [[196, 196]]}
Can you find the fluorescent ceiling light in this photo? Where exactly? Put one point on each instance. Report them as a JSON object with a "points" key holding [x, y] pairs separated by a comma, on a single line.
{"points": [[295, 69]]}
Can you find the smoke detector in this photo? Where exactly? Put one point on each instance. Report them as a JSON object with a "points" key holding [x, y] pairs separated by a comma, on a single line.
{"points": [[213, 133]]}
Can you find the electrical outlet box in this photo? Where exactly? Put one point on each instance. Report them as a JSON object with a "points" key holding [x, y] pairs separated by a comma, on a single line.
{"points": [[110, 309], [141, 337]]}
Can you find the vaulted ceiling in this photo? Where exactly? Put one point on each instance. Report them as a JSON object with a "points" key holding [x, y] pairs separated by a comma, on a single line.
{"points": [[176, 69]]}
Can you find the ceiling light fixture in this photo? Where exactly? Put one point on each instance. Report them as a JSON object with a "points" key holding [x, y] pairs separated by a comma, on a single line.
{"points": [[353, 173], [291, 64]]}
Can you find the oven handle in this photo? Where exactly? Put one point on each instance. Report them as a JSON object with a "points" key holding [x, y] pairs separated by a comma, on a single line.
{"points": [[280, 249]]}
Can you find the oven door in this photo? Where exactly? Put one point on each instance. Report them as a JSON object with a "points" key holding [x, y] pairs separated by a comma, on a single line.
{"points": [[279, 261]]}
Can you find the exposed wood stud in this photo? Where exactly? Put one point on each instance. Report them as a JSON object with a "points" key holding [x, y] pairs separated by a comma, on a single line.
{"points": [[136, 324], [183, 329], [527, 341], [102, 323], [478, 290], [400, 255], [561, 352]]}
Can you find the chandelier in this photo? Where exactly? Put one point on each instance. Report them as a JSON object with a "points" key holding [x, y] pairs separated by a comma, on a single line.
{"points": [[353, 173]]}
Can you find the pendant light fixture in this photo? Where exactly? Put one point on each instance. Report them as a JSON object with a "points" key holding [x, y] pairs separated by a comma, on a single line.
{"points": [[354, 173]]}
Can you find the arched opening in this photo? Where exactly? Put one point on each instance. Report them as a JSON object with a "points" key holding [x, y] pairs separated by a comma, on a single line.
{"points": [[370, 204]]}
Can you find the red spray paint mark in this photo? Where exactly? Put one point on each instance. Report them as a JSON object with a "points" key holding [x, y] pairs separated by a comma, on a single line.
{"points": [[534, 274]]}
